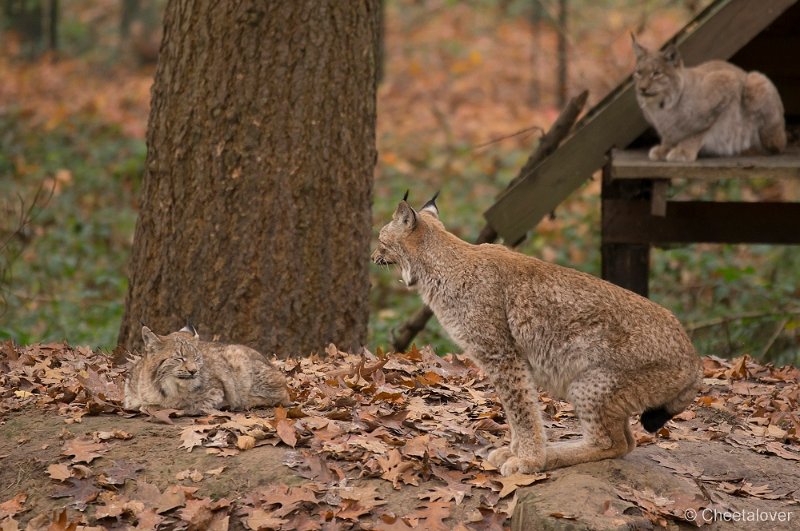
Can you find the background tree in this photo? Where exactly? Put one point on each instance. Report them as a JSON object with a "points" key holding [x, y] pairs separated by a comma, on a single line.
{"points": [[255, 216]]}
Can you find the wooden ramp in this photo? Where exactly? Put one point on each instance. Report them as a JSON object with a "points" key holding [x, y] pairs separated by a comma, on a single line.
{"points": [[719, 32]]}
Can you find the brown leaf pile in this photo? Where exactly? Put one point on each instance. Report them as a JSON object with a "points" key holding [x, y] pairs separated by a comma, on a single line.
{"points": [[409, 419]]}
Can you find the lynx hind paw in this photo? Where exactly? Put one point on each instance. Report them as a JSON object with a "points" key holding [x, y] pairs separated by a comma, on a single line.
{"points": [[518, 465], [499, 456]]}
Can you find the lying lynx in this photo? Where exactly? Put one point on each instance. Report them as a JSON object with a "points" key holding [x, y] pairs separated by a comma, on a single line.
{"points": [[715, 108], [526, 322], [179, 371]]}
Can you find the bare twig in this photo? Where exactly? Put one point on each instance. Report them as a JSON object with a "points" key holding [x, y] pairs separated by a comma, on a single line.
{"points": [[403, 335], [533, 128], [8, 253], [774, 337], [718, 321]]}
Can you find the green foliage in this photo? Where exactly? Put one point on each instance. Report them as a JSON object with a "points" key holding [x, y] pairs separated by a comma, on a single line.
{"points": [[65, 273]]}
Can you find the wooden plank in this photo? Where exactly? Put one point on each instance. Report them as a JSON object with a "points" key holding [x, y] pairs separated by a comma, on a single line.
{"points": [[634, 164], [624, 264], [698, 221], [658, 203], [717, 33]]}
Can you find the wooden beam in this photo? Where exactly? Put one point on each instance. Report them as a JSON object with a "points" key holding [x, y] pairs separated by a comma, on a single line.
{"points": [[630, 222], [721, 30], [658, 202], [635, 165]]}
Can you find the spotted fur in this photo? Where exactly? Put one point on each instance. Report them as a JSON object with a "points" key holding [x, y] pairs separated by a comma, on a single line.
{"points": [[179, 371], [714, 108], [530, 323]]}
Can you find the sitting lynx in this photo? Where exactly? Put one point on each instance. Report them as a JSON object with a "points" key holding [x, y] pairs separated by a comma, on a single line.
{"points": [[607, 350], [179, 371], [715, 108]]}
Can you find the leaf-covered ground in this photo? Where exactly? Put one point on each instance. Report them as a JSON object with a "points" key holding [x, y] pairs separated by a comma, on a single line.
{"points": [[373, 442]]}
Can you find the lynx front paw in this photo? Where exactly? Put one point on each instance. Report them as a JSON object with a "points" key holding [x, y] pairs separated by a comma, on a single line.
{"points": [[499, 456], [658, 152], [681, 155], [518, 465]]}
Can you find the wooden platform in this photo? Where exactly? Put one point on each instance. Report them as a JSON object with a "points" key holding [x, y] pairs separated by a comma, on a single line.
{"points": [[635, 165], [636, 214]]}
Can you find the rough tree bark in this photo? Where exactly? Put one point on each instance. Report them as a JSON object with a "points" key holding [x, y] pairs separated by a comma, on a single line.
{"points": [[255, 217]]}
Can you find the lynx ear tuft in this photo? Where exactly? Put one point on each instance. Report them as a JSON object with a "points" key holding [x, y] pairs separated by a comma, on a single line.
{"points": [[405, 196], [151, 340], [672, 56], [190, 329], [431, 207], [638, 50]]}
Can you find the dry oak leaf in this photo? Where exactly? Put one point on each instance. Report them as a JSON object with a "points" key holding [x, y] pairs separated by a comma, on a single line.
{"points": [[173, 497], [83, 450], [118, 473], [781, 451], [192, 436], [148, 520], [58, 522], [117, 506], [396, 469], [289, 498], [514, 481], [197, 513], [13, 505], [147, 493], [83, 491], [358, 501], [285, 427], [434, 514], [260, 519], [59, 471]]}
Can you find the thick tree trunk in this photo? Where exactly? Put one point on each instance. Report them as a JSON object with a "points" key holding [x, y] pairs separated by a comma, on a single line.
{"points": [[255, 217]]}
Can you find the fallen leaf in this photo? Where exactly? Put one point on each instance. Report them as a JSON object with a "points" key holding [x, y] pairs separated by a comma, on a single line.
{"points": [[172, 498], [781, 451], [286, 431], [83, 450], [82, 491], [260, 520], [59, 472], [13, 505], [197, 513], [395, 469], [191, 437], [514, 481]]}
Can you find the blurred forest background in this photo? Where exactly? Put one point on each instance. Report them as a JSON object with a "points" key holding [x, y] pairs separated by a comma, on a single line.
{"points": [[460, 78]]}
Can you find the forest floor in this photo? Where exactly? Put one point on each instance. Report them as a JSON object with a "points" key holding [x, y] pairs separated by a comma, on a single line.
{"points": [[378, 442]]}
